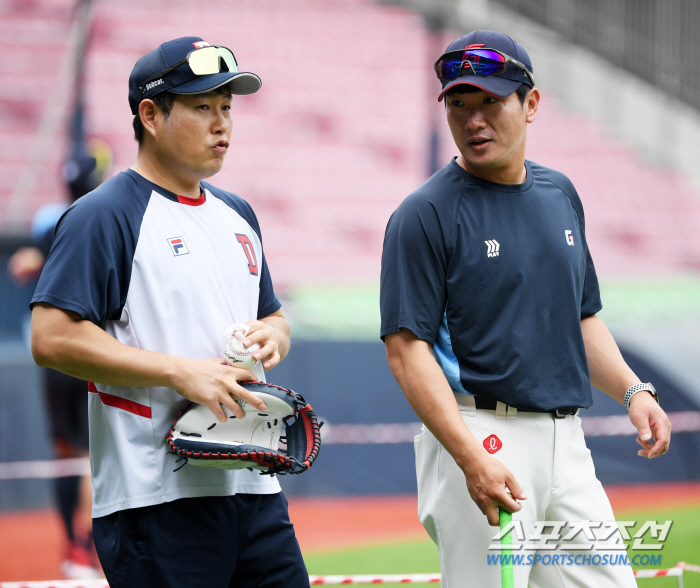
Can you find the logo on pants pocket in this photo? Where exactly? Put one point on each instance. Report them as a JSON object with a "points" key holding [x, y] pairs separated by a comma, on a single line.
{"points": [[492, 444]]}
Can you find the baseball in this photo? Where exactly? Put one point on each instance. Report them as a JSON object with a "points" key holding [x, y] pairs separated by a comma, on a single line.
{"points": [[237, 355]]}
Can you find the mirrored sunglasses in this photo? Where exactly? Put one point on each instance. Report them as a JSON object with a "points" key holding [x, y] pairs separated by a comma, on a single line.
{"points": [[481, 62], [203, 61]]}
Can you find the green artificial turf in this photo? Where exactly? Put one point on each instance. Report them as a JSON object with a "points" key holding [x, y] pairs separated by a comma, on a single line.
{"points": [[405, 557], [682, 544], [415, 557]]}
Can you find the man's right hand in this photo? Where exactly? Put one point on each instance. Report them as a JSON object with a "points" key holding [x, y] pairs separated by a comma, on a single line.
{"points": [[489, 483], [213, 383], [63, 340], [423, 382]]}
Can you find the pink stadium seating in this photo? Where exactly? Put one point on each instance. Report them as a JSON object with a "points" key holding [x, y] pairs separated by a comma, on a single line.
{"points": [[336, 137], [640, 218]]}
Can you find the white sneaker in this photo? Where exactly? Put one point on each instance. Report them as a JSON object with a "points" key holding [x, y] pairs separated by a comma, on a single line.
{"points": [[78, 565]]}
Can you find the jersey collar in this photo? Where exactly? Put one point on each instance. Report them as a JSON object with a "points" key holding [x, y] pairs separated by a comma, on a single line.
{"points": [[512, 188], [192, 201], [167, 193]]}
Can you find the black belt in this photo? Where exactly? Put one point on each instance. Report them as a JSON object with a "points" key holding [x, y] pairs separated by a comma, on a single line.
{"points": [[559, 413]]}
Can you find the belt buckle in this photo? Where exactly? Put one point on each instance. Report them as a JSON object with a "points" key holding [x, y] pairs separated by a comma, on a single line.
{"points": [[561, 415]]}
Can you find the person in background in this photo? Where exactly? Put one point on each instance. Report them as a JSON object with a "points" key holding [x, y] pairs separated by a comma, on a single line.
{"points": [[66, 396]]}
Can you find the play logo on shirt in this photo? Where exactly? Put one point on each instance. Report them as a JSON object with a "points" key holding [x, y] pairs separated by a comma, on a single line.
{"points": [[177, 244]]}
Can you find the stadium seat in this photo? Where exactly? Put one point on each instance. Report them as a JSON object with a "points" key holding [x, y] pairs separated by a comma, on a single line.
{"points": [[337, 136]]}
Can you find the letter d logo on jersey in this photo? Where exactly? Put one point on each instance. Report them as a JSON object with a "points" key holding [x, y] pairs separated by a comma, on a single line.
{"points": [[177, 244]]}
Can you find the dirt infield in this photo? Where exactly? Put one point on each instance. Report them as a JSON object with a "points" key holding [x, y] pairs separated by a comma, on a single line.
{"points": [[636, 497], [347, 522], [31, 547], [334, 523]]}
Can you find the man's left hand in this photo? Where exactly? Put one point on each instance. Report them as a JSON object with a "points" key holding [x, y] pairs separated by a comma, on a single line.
{"points": [[652, 424], [269, 339]]}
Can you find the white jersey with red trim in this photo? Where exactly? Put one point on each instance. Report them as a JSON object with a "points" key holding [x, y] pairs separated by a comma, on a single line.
{"points": [[164, 273]]}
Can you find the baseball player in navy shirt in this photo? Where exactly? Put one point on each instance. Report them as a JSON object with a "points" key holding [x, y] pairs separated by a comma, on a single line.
{"points": [[488, 300], [144, 276]]}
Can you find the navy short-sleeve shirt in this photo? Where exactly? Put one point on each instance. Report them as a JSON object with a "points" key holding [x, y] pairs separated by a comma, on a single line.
{"points": [[496, 278]]}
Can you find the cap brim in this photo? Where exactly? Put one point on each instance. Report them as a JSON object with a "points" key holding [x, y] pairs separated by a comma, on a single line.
{"points": [[241, 83], [491, 84]]}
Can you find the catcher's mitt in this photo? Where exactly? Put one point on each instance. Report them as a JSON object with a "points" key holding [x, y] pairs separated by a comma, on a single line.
{"points": [[252, 442]]}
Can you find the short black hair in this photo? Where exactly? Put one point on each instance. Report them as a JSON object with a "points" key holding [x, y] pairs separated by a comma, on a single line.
{"points": [[165, 101], [522, 90]]}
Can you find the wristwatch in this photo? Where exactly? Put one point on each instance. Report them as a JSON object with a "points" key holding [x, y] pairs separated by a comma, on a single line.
{"points": [[638, 388]]}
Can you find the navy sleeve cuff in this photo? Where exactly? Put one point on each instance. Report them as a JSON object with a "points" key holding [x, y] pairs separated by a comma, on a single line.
{"points": [[269, 309], [422, 334]]}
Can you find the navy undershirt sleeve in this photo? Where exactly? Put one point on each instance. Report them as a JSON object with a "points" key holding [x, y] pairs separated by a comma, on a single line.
{"points": [[267, 301], [414, 267]]}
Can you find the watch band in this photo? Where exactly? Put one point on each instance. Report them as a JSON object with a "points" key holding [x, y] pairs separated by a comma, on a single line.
{"points": [[632, 390]]}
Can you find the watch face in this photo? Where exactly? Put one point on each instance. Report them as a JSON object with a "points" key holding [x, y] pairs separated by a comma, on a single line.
{"points": [[653, 392], [647, 386]]}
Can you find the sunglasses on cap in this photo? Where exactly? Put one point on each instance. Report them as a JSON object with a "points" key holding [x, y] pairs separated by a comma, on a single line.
{"points": [[203, 61], [481, 62]]}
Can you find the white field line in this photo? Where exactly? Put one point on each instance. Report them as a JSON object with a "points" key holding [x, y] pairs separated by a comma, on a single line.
{"points": [[341, 580], [53, 468]]}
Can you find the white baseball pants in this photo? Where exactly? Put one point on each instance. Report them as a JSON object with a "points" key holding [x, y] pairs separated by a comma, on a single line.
{"points": [[550, 460]]}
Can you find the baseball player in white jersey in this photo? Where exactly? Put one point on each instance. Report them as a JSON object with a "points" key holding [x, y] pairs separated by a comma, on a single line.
{"points": [[488, 300], [144, 276]]}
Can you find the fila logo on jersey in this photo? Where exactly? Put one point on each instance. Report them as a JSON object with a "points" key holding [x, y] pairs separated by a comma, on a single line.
{"points": [[493, 247], [492, 444], [177, 244], [249, 253], [569, 238]]}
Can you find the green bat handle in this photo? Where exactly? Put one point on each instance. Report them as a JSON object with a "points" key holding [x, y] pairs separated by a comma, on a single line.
{"points": [[506, 554]]}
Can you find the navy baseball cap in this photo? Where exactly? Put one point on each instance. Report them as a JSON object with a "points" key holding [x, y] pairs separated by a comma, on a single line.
{"points": [[501, 84], [146, 80]]}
